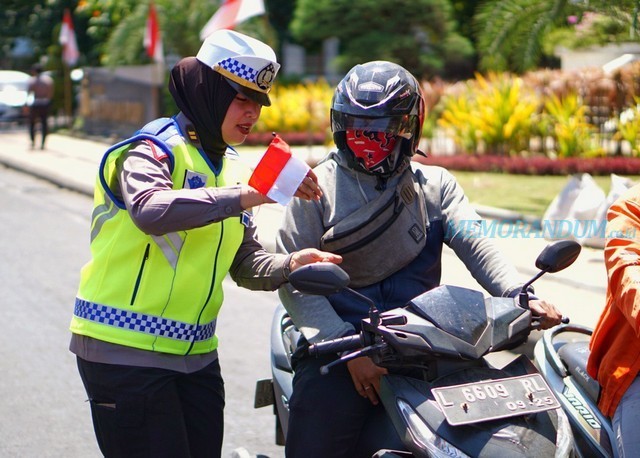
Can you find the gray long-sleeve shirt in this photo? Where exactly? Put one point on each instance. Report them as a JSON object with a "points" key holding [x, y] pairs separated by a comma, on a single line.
{"points": [[146, 187], [451, 221]]}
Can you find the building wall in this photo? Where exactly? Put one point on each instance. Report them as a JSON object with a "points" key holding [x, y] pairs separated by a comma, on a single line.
{"points": [[595, 56], [117, 102]]}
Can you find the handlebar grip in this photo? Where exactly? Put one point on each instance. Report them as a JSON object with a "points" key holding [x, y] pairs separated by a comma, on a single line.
{"points": [[336, 345]]}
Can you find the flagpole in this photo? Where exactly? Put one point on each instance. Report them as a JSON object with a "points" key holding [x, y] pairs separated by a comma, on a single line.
{"points": [[70, 57], [157, 74], [67, 94]]}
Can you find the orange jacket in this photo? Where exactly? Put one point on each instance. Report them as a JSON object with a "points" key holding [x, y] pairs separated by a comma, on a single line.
{"points": [[615, 344]]}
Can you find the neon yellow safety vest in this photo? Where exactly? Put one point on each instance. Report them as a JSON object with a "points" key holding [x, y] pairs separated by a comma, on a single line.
{"points": [[157, 293]]}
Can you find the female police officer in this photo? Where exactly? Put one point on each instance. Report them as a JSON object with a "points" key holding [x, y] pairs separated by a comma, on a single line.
{"points": [[170, 221]]}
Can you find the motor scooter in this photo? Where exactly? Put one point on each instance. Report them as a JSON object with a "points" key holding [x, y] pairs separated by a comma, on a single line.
{"points": [[561, 356], [463, 406]]}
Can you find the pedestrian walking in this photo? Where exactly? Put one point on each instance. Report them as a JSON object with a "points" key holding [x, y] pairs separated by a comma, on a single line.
{"points": [[40, 95]]}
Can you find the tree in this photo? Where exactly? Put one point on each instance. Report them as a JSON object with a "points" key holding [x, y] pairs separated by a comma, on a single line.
{"points": [[280, 13], [123, 24], [39, 23], [420, 35], [510, 33]]}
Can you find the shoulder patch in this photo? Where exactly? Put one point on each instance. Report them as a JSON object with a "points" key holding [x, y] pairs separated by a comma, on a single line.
{"points": [[158, 153]]}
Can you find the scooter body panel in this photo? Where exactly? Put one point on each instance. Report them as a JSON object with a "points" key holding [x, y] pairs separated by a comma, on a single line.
{"points": [[533, 435], [591, 429]]}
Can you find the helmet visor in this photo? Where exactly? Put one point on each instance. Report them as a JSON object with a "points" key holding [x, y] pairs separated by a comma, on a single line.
{"points": [[401, 126]]}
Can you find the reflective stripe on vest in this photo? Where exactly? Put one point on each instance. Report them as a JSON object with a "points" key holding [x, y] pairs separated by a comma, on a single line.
{"points": [[147, 324], [101, 214], [170, 245]]}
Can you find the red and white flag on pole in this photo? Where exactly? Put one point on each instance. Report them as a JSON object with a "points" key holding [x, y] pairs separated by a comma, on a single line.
{"points": [[70, 53], [278, 174], [152, 38], [230, 13]]}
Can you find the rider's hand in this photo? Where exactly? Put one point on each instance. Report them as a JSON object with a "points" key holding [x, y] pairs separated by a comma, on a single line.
{"points": [[547, 313], [309, 189], [366, 377], [311, 255]]}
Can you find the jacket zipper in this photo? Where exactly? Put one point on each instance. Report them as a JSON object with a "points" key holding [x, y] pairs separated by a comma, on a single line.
{"points": [[213, 280], [140, 272], [211, 285]]}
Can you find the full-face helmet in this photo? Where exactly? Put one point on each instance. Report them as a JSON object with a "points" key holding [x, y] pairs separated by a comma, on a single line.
{"points": [[377, 113]]}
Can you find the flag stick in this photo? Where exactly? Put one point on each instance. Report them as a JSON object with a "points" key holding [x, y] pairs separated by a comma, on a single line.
{"points": [[67, 94]]}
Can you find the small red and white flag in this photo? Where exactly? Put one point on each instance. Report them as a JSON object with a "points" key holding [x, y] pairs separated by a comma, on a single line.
{"points": [[231, 13], [278, 174], [152, 38], [67, 39]]}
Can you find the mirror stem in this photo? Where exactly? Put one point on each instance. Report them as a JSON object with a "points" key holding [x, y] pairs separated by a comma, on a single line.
{"points": [[523, 297], [374, 313]]}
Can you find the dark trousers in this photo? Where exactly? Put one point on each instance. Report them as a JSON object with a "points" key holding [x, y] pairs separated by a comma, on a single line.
{"points": [[328, 418], [38, 113], [149, 412]]}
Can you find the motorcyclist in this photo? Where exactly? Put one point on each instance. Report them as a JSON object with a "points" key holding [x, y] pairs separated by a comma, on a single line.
{"points": [[376, 119]]}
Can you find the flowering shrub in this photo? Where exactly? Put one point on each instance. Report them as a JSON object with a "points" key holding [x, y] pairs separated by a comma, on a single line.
{"points": [[552, 112], [300, 108], [570, 129], [591, 29], [628, 126], [537, 165], [494, 113], [292, 138]]}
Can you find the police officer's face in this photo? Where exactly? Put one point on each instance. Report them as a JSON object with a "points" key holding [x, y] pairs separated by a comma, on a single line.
{"points": [[241, 116]]}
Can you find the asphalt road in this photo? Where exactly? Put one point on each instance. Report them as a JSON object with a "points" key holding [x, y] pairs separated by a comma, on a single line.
{"points": [[43, 412]]}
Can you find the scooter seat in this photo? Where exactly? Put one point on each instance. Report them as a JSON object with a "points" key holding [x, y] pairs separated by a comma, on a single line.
{"points": [[574, 355]]}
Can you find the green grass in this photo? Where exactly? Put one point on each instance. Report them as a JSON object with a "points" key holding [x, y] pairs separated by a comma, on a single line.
{"points": [[526, 194]]}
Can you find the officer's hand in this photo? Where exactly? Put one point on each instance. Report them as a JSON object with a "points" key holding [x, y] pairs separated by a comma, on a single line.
{"points": [[311, 255]]}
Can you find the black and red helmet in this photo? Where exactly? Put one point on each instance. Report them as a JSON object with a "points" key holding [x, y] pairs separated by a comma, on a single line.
{"points": [[377, 113]]}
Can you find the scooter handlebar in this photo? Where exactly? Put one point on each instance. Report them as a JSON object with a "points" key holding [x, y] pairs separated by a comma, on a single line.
{"points": [[339, 345]]}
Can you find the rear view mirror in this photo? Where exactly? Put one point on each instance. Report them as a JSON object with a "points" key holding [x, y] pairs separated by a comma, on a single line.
{"points": [[558, 255], [320, 279]]}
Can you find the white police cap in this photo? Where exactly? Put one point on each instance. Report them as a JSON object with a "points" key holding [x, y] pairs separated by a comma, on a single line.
{"points": [[248, 64]]}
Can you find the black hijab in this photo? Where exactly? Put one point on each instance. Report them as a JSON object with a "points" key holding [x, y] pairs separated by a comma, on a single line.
{"points": [[204, 96]]}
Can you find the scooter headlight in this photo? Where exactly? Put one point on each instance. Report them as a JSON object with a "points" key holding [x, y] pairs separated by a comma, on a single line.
{"points": [[434, 444], [564, 436]]}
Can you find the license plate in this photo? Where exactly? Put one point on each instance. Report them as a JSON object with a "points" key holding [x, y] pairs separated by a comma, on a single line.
{"points": [[494, 399]]}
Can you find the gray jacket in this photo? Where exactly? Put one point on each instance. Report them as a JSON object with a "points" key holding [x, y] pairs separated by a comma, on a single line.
{"points": [[451, 221]]}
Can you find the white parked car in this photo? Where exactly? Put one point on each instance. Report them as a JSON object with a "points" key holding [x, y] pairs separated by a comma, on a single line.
{"points": [[13, 94]]}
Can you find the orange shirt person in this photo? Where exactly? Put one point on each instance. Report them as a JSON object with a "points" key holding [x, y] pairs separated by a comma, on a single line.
{"points": [[615, 344]]}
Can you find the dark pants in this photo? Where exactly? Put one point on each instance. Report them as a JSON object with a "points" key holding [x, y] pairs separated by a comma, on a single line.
{"points": [[38, 113], [149, 412], [328, 418]]}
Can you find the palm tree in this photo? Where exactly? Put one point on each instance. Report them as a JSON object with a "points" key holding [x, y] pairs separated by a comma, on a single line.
{"points": [[510, 32]]}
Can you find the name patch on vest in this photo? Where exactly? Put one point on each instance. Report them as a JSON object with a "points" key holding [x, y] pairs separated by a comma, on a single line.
{"points": [[194, 180]]}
